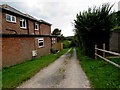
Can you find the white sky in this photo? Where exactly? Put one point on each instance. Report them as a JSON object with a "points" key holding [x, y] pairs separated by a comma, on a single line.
{"points": [[60, 13]]}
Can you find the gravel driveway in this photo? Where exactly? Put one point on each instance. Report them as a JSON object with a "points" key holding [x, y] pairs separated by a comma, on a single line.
{"points": [[63, 73]]}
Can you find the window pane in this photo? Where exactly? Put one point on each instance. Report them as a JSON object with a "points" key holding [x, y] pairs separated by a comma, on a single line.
{"points": [[40, 40], [41, 44], [24, 23], [13, 18], [35, 26], [8, 17], [21, 24]]}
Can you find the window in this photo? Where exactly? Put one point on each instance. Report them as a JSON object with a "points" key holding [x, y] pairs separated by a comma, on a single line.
{"points": [[23, 23], [53, 40], [40, 42], [36, 26], [10, 18]]}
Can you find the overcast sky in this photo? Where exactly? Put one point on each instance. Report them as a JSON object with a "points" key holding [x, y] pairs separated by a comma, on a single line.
{"points": [[60, 13]]}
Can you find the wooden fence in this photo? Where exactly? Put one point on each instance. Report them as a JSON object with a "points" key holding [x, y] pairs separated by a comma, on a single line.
{"points": [[104, 57]]}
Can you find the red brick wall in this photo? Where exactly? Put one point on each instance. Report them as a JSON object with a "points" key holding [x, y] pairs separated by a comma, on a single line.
{"points": [[45, 29], [31, 27], [17, 50], [43, 50], [9, 25], [0, 21]]}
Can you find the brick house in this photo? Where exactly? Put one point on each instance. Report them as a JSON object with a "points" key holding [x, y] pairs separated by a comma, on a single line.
{"points": [[23, 36]]}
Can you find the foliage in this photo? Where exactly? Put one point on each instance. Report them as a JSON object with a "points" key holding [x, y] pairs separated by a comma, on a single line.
{"points": [[56, 32], [15, 75], [118, 17], [72, 40], [116, 28], [93, 27], [66, 44], [101, 74]]}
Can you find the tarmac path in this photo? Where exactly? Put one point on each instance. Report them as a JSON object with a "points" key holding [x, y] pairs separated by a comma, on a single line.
{"points": [[65, 72]]}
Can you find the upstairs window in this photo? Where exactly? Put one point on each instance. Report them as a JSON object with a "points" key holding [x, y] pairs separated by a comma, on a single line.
{"points": [[41, 42], [23, 23], [36, 26], [10, 18]]}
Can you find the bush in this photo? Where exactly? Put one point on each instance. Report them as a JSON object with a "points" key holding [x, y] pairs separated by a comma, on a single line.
{"points": [[93, 27], [66, 44]]}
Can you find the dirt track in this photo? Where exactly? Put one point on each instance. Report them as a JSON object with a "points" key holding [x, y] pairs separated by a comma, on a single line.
{"points": [[63, 73]]}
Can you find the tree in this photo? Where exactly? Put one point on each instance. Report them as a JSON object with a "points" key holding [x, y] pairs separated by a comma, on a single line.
{"points": [[56, 32], [118, 17], [93, 27]]}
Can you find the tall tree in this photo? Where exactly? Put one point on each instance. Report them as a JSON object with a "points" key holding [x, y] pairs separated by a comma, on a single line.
{"points": [[93, 27]]}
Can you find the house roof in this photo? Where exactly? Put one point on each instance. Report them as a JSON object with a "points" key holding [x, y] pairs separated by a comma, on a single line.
{"points": [[11, 9]]}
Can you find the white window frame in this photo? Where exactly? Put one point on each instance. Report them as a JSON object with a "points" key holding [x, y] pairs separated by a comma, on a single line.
{"points": [[11, 20], [39, 41], [53, 40], [37, 26], [23, 20]]}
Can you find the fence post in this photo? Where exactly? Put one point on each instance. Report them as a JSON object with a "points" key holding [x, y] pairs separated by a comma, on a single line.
{"points": [[104, 49], [95, 51]]}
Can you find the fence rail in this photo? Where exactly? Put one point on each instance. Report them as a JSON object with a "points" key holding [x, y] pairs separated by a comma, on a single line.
{"points": [[103, 57], [114, 53]]}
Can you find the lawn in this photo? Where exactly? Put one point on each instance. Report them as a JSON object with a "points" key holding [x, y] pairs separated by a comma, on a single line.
{"points": [[116, 60], [13, 76], [100, 73]]}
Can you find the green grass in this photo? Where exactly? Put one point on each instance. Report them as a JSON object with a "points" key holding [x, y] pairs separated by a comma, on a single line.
{"points": [[116, 60], [100, 73], [15, 75]]}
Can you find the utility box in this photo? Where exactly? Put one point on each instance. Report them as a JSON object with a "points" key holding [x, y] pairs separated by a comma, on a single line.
{"points": [[34, 53]]}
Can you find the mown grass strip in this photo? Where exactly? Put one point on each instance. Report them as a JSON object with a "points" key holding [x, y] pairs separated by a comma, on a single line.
{"points": [[116, 60], [100, 73], [15, 75]]}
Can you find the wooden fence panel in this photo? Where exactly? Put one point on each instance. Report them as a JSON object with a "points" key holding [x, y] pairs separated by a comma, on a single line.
{"points": [[103, 57]]}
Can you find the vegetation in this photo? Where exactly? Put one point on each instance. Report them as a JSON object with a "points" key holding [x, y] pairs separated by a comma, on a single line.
{"points": [[116, 60], [93, 27], [117, 23], [56, 32], [117, 15], [15, 75], [66, 44], [69, 42], [100, 73]]}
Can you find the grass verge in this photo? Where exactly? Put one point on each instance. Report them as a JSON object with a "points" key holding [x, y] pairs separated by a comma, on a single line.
{"points": [[13, 76], [116, 60], [100, 73]]}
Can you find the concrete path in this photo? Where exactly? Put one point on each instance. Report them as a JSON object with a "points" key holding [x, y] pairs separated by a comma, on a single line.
{"points": [[63, 73]]}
